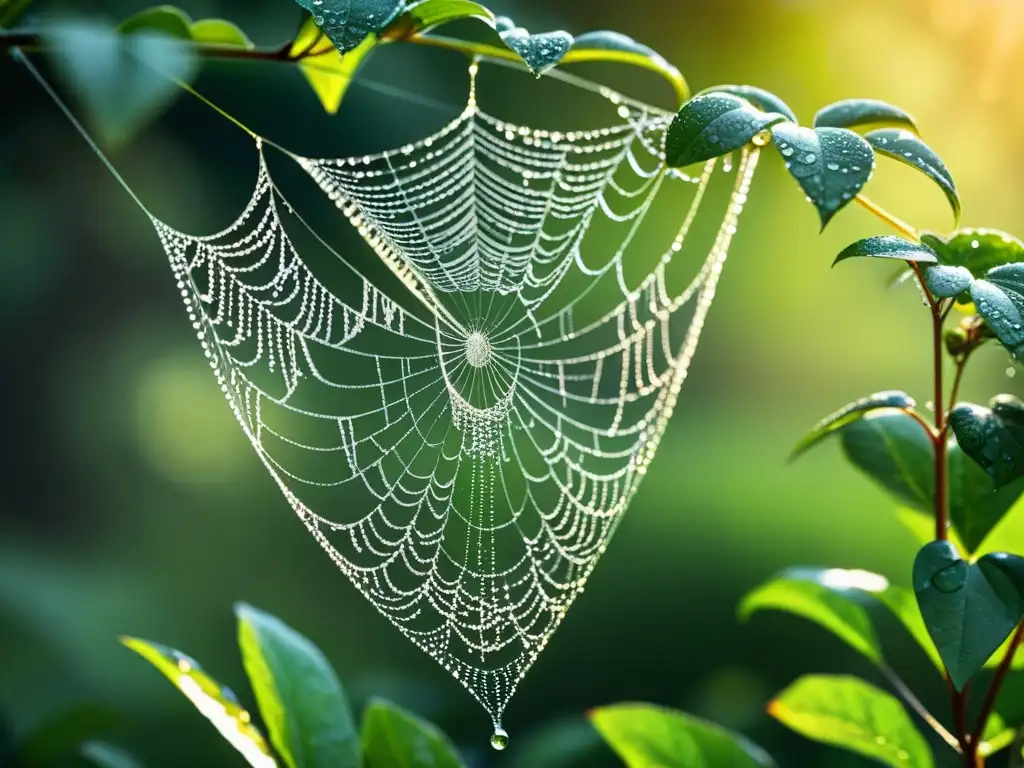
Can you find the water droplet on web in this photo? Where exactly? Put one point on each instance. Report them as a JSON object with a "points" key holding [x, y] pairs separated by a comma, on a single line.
{"points": [[499, 739]]}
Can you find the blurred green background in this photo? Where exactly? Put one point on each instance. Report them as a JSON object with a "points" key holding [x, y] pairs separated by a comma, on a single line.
{"points": [[131, 503]]}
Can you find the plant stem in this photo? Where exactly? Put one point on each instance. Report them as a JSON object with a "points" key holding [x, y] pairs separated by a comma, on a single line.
{"points": [[941, 443], [939, 436], [997, 681], [896, 223]]}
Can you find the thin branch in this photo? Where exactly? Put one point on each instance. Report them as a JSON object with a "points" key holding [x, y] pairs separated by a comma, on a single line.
{"points": [[915, 704], [896, 223], [997, 681]]}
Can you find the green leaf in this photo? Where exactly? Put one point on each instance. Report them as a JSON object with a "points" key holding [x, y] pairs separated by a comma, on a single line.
{"points": [[979, 250], [105, 755], [301, 700], [887, 247], [996, 736], [539, 52], [760, 98], [850, 413], [907, 148], [347, 23], [327, 71], [215, 702], [999, 298], [861, 113], [830, 164], [604, 45], [969, 609], [945, 282], [849, 713], [219, 32], [903, 605], [975, 505], [895, 451], [429, 14], [121, 81], [712, 125], [167, 19], [11, 11], [647, 736], [394, 738], [993, 437], [824, 597]]}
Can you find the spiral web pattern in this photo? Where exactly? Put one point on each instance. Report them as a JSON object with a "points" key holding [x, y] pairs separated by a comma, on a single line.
{"points": [[463, 443]]}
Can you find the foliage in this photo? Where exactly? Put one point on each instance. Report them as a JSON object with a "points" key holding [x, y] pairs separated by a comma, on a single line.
{"points": [[956, 469]]}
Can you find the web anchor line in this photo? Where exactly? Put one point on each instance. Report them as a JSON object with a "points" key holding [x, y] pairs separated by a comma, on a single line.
{"points": [[464, 445]]}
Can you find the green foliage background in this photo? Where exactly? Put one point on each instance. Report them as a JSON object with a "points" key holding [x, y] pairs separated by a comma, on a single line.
{"points": [[132, 504]]}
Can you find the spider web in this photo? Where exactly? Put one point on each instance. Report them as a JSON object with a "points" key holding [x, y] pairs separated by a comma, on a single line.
{"points": [[464, 443]]}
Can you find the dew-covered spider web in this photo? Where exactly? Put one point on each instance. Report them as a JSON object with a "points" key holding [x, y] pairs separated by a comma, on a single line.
{"points": [[463, 430]]}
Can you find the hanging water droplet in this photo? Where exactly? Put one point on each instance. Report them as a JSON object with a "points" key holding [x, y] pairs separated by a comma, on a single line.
{"points": [[499, 739], [951, 578]]}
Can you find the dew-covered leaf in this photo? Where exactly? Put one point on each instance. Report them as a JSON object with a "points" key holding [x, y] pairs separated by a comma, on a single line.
{"points": [[215, 702], [945, 282], [993, 437], [830, 164], [851, 714], [887, 247], [910, 149], [394, 738], [605, 45], [712, 125], [301, 700], [825, 597], [862, 113], [349, 22], [167, 19], [760, 98], [850, 413], [122, 81], [539, 52], [968, 608], [999, 298], [219, 32], [648, 736], [979, 250], [327, 71]]}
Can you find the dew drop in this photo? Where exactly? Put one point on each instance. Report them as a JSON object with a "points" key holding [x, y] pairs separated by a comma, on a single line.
{"points": [[761, 139], [810, 157], [833, 166], [788, 151], [952, 578], [499, 739]]}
